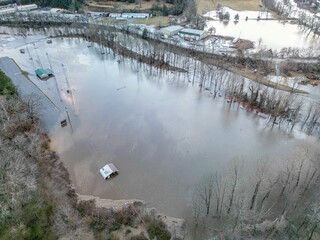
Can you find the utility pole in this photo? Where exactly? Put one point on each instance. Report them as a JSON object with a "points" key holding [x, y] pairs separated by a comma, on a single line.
{"points": [[55, 79], [69, 88], [68, 118]]}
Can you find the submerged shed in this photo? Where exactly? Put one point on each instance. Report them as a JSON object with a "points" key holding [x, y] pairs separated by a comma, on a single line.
{"points": [[108, 171], [41, 73]]}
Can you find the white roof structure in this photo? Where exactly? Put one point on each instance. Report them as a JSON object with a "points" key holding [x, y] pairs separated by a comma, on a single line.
{"points": [[108, 170], [191, 31], [12, 8]]}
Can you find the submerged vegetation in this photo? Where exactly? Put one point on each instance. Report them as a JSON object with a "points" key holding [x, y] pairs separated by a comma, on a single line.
{"points": [[267, 203]]}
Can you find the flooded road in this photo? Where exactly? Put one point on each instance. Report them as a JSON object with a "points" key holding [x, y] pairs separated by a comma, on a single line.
{"points": [[159, 131]]}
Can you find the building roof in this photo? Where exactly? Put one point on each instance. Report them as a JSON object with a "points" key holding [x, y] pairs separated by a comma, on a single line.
{"points": [[41, 73], [172, 28], [135, 14], [108, 170], [191, 31]]}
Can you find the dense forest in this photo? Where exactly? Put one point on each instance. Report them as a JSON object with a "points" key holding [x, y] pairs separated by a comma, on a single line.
{"points": [[75, 4]]}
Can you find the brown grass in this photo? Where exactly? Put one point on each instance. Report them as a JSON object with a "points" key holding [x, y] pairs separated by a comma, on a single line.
{"points": [[204, 6], [121, 5], [163, 21]]}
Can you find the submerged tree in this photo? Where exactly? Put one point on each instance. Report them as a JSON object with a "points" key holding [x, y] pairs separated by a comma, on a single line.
{"points": [[204, 191]]}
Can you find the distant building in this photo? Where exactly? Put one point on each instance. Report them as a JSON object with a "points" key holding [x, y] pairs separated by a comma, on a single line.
{"points": [[28, 7], [128, 16], [135, 15], [12, 8], [171, 30], [192, 34]]}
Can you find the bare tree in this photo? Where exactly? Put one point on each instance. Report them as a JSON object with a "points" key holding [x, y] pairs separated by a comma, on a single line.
{"points": [[204, 190]]}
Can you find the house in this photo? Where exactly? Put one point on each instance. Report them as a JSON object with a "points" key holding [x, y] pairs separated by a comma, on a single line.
{"points": [[171, 30], [42, 74], [108, 171], [192, 34]]}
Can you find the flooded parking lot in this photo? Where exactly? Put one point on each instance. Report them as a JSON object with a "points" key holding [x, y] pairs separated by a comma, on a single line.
{"points": [[159, 131]]}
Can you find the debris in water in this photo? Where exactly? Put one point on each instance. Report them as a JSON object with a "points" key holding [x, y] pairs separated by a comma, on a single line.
{"points": [[121, 88]]}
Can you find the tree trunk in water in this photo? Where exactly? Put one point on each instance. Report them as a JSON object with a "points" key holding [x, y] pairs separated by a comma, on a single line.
{"points": [[253, 199]]}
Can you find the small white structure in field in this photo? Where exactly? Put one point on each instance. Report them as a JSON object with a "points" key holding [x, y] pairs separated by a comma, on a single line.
{"points": [[108, 171]]}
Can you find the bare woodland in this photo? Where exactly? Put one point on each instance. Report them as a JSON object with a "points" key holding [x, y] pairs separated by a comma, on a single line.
{"points": [[266, 201]]}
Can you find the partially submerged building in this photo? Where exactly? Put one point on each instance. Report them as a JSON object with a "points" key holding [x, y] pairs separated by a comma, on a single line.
{"points": [[44, 73], [108, 171], [192, 34]]}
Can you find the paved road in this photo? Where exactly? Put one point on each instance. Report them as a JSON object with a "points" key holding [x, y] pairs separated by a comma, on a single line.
{"points": [[50, 115]]}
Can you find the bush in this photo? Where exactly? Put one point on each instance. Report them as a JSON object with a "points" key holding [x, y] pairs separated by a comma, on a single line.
{"points": [[139, 237], [158, 229], [6, 85]]}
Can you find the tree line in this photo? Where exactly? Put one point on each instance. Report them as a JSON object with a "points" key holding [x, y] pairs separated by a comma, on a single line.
{"points": [[66, 4], [268, 201]]}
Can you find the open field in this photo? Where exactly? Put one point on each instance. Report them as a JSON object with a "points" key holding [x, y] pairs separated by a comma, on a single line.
{"points": [[121, 5], [204, 6], [157, 21]]}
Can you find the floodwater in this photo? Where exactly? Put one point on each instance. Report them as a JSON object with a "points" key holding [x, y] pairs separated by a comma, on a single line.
{"points": [[159, 131], [271, 33]]}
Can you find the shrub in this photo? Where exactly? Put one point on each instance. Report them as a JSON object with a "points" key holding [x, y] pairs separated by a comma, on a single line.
{"points": [[139, 237], [6, 85], [158, 229]]}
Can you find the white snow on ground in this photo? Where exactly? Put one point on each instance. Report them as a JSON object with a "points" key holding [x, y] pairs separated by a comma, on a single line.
{"points": [[288, 81], [294, 11]]}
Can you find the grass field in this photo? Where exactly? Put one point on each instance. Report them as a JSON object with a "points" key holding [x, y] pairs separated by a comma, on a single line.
{"points": [[204, 6], [122, 5], [162, 21]]}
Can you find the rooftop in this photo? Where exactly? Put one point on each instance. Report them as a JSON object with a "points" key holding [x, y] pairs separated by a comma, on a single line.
{"points": [[191, 31], [172, 28]]}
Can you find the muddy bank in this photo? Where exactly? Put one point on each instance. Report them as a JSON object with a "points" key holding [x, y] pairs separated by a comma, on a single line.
{"points": [[176, 226]]}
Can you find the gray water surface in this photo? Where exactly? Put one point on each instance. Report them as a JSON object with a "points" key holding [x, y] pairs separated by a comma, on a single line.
{"points": [[162, 133]]}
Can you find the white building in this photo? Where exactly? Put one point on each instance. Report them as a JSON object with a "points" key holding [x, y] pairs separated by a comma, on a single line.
{"points": [[28, 7], [12, 8], [129, 16]]}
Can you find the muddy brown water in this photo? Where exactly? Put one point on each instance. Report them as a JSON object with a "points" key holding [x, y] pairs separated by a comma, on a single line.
{"points": [[160, 131]]}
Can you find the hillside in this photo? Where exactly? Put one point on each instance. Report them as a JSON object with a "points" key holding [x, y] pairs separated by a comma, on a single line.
{"points": [[37, 200]]}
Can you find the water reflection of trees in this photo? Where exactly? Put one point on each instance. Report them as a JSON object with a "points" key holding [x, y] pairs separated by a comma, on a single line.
{"points": [[284, 109], [265, 201]]}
